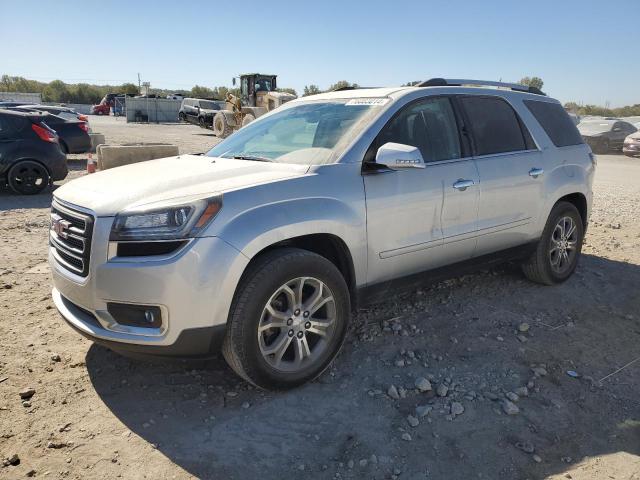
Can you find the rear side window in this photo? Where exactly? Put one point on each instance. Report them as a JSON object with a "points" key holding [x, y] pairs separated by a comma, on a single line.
{"points": [[494, 125], [556, 122]]}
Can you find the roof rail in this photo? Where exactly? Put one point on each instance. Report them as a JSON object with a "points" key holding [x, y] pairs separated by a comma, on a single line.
{"points": [[456, 82]]}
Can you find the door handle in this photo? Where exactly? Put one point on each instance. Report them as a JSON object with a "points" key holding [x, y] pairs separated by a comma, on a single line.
{"points": [[462, 185], [535, 172]]}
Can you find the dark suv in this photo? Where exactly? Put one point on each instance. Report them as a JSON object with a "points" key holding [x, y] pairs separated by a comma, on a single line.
{"points": [[195, 110], [30, 154]]}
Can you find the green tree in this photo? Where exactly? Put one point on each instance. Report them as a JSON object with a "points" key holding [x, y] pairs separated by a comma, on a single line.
{"points": [[535, 82], [202, 92], [311, 90], [342, 84], [129, 88]]}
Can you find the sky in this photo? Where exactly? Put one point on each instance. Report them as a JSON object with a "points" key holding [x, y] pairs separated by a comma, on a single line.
{"points": [[586, 51]]}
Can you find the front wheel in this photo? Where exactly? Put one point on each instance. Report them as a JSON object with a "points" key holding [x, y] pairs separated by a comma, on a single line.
{"points": [[288, 319], [221, 127], [559, 247]]}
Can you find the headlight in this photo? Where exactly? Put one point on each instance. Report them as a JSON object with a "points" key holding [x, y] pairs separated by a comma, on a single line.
{"points": [[165, 220]]}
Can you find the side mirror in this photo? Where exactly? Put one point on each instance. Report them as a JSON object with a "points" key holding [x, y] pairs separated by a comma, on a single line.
{"points": [[398, 156]]}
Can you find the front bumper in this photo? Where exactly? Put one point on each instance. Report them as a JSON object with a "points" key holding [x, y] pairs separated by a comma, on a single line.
{"points": [[631, 149], [193, 289]]}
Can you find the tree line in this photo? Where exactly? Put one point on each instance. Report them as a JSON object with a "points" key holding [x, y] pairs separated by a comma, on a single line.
{"points": [[58, 91]]}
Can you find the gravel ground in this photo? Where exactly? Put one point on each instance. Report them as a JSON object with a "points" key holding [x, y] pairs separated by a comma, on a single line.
{"points": [[484, 376]]}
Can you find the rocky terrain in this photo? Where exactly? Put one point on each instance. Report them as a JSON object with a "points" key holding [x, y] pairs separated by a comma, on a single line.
{"points": [[484, 376]]}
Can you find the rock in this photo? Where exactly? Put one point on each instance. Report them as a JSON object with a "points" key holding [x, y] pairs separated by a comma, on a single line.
{"points": [[27, 393], [350, 464], [413, 421], [526, 447], [13, 460], [523, 327], [422, 384], [406, 437], [539, 371], [56, 445], [423, 410], [536, 458], [246, 405], [393, 392], [399, 363], [55, 357], [363, 462], [521, 338], [510, 408], [522, 391], [512, 396], [26, 403], [442, 390], [490, 395], [457, 409]]}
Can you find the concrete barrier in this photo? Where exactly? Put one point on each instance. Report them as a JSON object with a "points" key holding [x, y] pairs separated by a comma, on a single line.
{"points": [[96, 139], [111, 156]]}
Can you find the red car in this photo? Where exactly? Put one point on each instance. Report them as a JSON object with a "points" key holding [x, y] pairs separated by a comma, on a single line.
{"points": [[101, 109]]}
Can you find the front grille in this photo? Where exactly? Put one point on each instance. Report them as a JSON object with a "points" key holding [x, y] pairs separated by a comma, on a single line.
{"points": [[70, 236]]}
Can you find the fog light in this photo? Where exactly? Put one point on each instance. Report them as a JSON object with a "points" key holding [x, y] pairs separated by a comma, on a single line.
{"points": [[141, 316]]}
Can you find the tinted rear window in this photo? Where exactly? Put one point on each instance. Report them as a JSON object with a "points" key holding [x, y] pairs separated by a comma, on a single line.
{"points": [[556, 122], [495, 125]]}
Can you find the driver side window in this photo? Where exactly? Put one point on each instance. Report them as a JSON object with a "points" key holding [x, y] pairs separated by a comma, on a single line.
{"points": [[430, 125]]}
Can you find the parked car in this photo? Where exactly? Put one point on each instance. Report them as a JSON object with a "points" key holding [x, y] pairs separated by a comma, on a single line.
{"points": [[175, 96], [266, 244], [606, 134], [101, 109], [62, 112], [196, 110], [631, 146], [73, 134], [30, 155]]}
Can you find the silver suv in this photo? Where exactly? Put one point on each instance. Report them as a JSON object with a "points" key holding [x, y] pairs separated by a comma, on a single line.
{"points": [[265, 245]]}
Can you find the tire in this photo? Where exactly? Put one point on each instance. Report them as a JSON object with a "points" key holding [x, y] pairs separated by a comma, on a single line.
{"points": [[202, 123], [221, 127], [541, 267], [181, 117], [28, 177], [248, 118], [245, 348]]}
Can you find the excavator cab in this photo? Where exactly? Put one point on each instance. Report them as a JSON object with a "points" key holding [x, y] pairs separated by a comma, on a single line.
{"points": [[254, 87]]}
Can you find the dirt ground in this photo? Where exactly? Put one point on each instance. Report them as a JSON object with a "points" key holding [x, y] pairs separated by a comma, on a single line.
{"points": [[567, 356]]}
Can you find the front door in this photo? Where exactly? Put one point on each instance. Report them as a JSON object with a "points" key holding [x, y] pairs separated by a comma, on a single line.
{"points": [[410, 211]]}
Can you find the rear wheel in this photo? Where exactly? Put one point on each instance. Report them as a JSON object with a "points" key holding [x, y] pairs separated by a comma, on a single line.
{"points": [[288, 319], [559, 247], [202, 123], [28, 177]]}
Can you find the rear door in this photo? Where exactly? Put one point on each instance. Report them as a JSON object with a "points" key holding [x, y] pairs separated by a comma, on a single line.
{"points": [[511, 172], [409, 211]]}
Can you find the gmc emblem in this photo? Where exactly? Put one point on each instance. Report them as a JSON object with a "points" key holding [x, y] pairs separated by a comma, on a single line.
{"points": [[60, 226]]}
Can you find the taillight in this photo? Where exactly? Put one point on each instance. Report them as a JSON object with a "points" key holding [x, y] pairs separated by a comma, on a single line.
{"points": [[83, 118], [44, 133], [84, 127]]}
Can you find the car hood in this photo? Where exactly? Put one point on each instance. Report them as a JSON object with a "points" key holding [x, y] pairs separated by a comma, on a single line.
{"points": [[634, 136], [108, 192]]}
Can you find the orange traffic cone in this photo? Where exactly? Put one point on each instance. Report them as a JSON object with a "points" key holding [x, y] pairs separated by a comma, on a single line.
{"points": [[91, 164]]}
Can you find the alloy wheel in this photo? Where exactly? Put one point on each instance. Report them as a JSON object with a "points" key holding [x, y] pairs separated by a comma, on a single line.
{"points": [[564, 243], [297, 324]]}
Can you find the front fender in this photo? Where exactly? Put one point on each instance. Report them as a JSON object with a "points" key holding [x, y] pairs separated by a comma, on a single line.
{"points": [[254, 230]]}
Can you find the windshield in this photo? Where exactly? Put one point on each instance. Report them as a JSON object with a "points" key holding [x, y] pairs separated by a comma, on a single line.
{"points": [[594, 127], [209, 105], [311, 133]]}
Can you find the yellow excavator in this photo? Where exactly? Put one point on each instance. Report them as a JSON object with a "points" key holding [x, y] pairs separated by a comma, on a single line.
{"points": [[258, 95]]}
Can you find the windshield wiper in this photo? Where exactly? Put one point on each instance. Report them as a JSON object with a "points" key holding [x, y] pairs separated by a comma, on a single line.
{"points": [[254, 158]]}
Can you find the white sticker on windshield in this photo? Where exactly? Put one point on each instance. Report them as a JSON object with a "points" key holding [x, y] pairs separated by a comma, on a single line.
{"points": [[367, 101]]}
